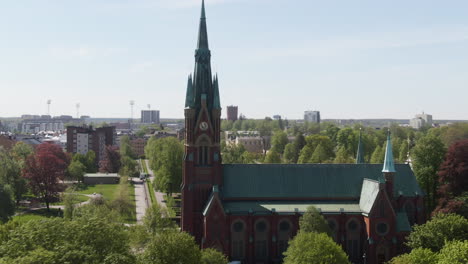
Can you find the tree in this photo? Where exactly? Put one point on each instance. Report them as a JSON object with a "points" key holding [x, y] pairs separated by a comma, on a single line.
{"points": [[436, 232], [305, 155], [10, 175], [272, 157], [76, 170], [320, 155], [290, 155], [342, 156], [165, 158], [90, 162], [378, 155], [125, 147], [454, 252], [453, 178], [279, 141], [310, 247], [7, 204], [87, 239], [45, 169], [157, 219], [233, 153], [171, 247], [111, 162], [427, 156], [416, 256], [21, 152], [213, 256], [313, 221]]}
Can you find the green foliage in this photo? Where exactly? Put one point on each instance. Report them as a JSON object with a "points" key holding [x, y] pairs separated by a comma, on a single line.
{"points": [[7, 204], [165, 159], [378, 155], [436, 232], [88, 160], [454, 252], [56, 240], [313, 221], [21, 151], [76, 170], [125, 147], [279, 141], [10, 175], [416, 256], [213, 256], [320, 155], [290, 155], [272, 157], [308, 248], [235, 153], [171, 247], [129, 167], [157, 219], [323, 153], [342, 156], [427, 156]]}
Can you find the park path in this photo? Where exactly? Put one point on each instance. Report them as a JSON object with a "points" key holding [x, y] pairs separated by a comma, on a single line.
{"points": [[141, 199], [159, 195]]}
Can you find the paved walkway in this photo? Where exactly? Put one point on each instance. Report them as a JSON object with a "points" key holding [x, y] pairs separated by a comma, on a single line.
{"points": [[141, 200]]}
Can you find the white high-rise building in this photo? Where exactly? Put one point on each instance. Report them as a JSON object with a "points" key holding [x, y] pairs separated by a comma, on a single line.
{"points": [[421, 120], [150, 116], [312, 116]]}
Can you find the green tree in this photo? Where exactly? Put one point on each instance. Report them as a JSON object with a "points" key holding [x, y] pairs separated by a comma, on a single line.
{"points": [[320, 155], [10, 175], [310, 247], [454, 252], [90, 162], [233, 153], [76, 170], [157, 219], [21, 151], [378, 155], [279, 141], [290, 155], [7, 204], [313, 221], [305, 155], [171, 247], [213, 256], [427, 156], [416, 256], [272, 157], [439, 230], [342, 156], [125, 147]]}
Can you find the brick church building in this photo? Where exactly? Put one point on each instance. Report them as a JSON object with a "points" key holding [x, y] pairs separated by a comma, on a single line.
{"points": [[251, 211]]}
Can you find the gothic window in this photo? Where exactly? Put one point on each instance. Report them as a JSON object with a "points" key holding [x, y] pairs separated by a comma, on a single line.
{"points": [[353, 238], [409, 209], [284, 235], [261, 240], [203, 152], [333, 227], [238, 240]]}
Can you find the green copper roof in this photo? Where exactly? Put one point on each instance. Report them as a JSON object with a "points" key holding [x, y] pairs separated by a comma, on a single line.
{"points": [[266, 181], [202, 31], [289, 207], [360, 151], [189, 100], [389, 165], [216, 101], [402, 222]]}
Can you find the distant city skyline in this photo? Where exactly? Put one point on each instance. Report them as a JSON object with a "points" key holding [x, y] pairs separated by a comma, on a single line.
{"points": [[346, 59]]}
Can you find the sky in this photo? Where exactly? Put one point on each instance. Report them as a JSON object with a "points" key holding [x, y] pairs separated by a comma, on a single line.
{"points": [[348, 59]]}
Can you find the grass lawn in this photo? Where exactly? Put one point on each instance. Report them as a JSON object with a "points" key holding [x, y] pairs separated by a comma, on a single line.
{"points": [[131, 219], [109, 191], [36, 214]]}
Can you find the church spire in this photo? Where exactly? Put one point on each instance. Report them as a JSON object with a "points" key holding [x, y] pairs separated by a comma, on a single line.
{"points": [[360, 150], [389, 165], [202, 31], [189, 100]]}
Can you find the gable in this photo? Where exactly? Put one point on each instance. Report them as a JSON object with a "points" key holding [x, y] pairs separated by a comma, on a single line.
{"points": [[369, 193], [344, 181]]}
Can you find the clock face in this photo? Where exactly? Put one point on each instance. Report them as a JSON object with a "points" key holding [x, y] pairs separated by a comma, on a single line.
{"points": [[203, 126]]}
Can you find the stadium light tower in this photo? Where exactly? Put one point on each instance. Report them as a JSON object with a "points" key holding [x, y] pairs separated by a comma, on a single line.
{"points": [[48, 106]]}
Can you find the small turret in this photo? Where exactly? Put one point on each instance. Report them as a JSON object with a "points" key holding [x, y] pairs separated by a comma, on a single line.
{"points": [[389, 164]]}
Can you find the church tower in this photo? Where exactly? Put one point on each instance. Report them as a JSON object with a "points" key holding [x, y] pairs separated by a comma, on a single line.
{"points": [[202, 159]]}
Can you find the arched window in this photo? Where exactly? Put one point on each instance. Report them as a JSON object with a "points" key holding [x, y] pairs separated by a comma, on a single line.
{"points": [[353, 239], [284, 235], [238, 229], [334, 228], [261, 240], [409, 209], [203, 151]]}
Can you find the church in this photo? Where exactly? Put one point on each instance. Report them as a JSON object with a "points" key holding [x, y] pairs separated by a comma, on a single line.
{"points": [[250, 211]]}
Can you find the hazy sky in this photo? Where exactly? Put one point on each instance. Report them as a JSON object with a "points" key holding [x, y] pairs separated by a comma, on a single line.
{"points": [[348, 58]]}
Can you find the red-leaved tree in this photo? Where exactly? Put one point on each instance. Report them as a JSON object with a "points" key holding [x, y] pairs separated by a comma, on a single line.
{"points": [[453, 179], [111, 162], [45, 169]]}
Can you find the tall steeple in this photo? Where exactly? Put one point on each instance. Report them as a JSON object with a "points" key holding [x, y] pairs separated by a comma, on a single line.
{"points": [[360, 150], [389, 165], [202, 31]]}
